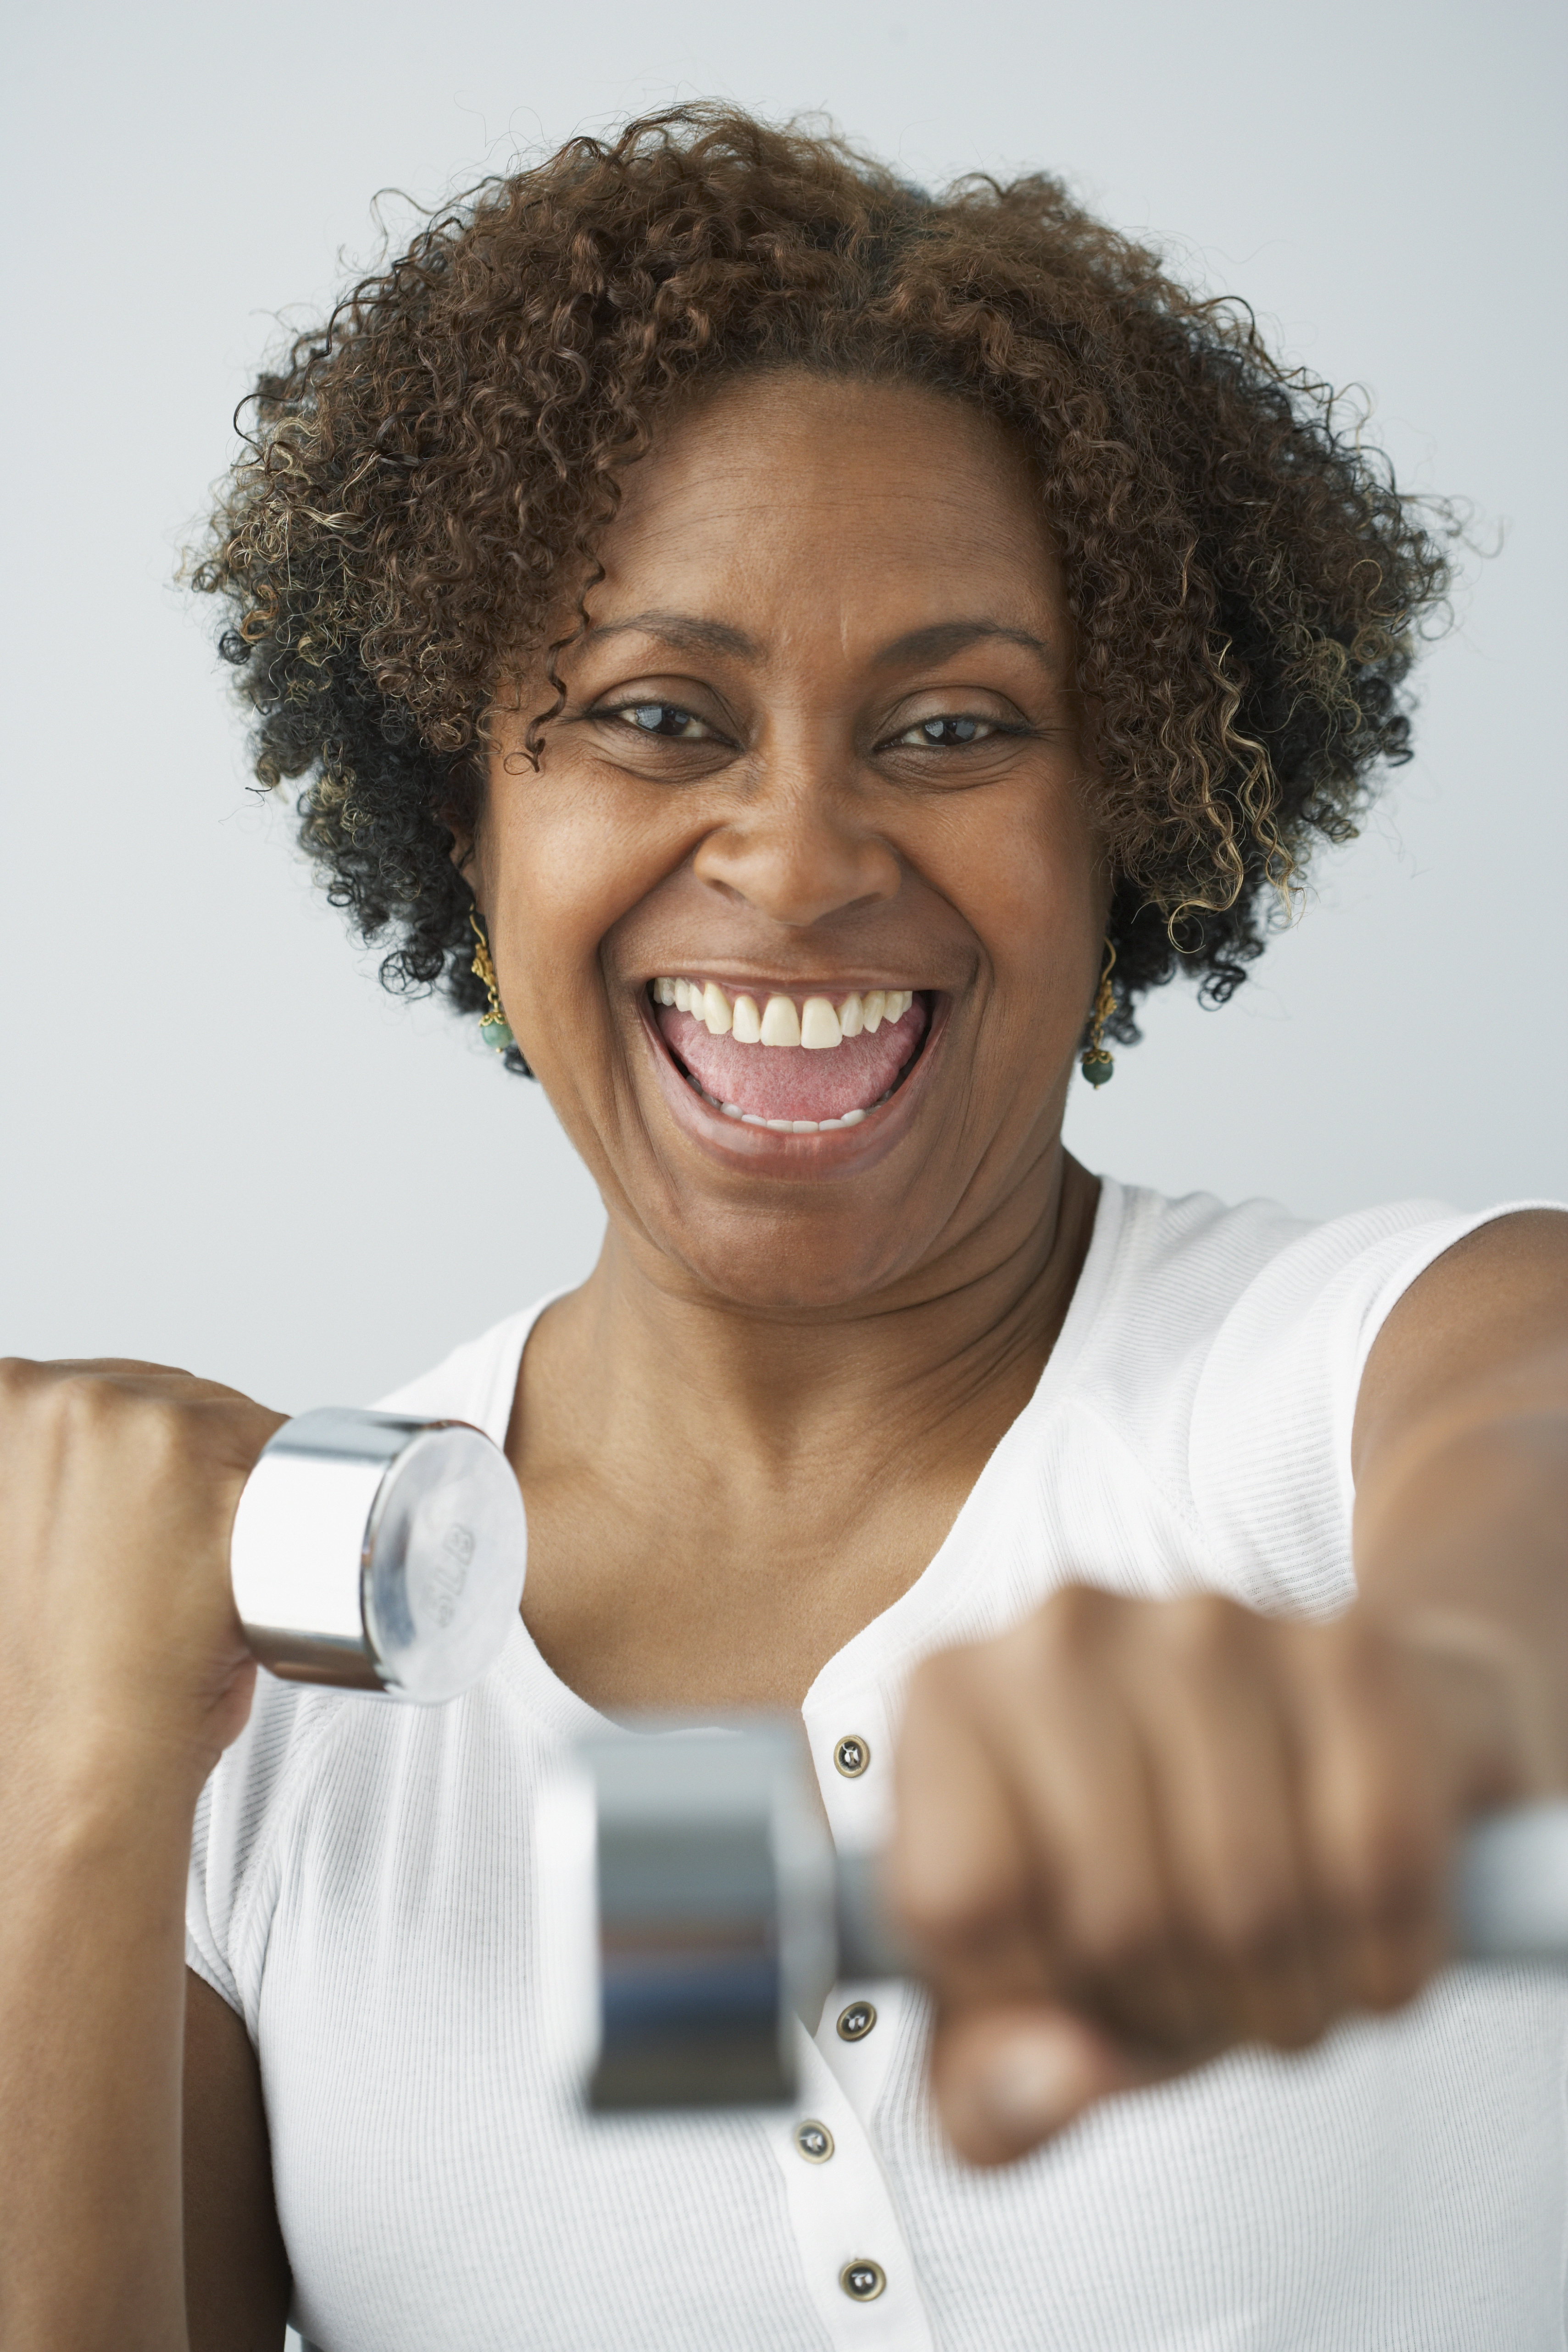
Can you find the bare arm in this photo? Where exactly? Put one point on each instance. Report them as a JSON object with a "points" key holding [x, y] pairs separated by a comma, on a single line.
{"points": [[122, 1675], [236, 2271], [91, 1950], [1133, 1834], [1461, 1449]]}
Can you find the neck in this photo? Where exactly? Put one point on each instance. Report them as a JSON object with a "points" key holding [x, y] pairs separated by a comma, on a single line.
{"points": [[641, 1366]]}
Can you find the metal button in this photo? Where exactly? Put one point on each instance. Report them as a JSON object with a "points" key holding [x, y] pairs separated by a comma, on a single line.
{"points": [[853, 2024], [862, 2281], [852, 1755], [814, 2140]]}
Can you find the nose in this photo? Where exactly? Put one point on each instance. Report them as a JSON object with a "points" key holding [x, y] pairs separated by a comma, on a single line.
{"points": [[799, 856]]}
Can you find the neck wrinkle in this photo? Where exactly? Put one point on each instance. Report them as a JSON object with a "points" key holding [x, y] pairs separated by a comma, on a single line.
{"points": [[647, 1375]]}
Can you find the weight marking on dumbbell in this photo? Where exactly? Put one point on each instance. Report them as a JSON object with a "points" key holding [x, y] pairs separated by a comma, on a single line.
{"points": [[379, 1553], [449, 1577]]}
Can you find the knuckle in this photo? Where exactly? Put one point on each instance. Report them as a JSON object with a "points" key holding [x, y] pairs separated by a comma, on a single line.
{"points": [[1205, 1628], [94, 1414], [78, 1406], [19, 1379], [936, 1688], [1064, 1628], [1354, 1659], [946, 1672], [955, 1909], [161, 1433]]}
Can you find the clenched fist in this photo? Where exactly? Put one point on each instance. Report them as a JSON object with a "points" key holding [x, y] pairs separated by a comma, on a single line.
{"points": [[118, 1488], [1133, 1833]]}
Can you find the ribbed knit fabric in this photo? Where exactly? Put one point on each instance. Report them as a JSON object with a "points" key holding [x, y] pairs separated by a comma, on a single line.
{"points": [[362, 1893]]}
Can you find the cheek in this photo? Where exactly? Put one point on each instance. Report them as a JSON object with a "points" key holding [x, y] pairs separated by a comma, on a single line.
{"points": [[563, 860], [1029, 876]]}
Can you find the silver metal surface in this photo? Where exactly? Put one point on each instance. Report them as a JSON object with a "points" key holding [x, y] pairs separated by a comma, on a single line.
{"points": [[1511, 1887], [707, 1905], [869, 1943], [713, 1892], [379, 1553]]}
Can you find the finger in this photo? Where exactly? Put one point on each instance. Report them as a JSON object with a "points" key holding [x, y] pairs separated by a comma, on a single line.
{"points": [[1223, 1772], [1050, 1713], [1374, 1818], [958, 1871], [1007, 2077], [1492, 1743]]}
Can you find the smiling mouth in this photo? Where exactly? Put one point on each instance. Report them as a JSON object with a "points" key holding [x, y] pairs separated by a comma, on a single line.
{"points": [[798, 1066]]}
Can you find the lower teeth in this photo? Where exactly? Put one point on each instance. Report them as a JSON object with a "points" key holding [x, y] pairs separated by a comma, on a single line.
{"points": [[783, 1126]]}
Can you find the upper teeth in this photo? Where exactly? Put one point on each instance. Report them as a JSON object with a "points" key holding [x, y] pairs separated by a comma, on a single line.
{"points": [[817, 1022]]}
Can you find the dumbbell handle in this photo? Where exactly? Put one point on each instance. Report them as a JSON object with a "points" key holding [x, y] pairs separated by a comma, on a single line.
{"points": [[1510, 1897], [698, 1889]]}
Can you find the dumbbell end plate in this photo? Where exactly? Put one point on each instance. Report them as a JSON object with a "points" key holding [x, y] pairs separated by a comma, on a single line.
{"points": [[378, 1553], [706, 1873]]}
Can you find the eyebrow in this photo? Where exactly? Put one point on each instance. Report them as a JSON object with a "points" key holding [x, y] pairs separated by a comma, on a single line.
{"points": [[945, 637], [686, 633], [681, 631]]}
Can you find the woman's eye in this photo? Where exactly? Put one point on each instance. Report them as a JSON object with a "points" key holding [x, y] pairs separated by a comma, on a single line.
{"points": [[946, 734], [666, 719]]}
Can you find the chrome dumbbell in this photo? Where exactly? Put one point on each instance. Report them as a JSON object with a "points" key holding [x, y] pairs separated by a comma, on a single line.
{"points": [[695, 1906], [379, 1553]]}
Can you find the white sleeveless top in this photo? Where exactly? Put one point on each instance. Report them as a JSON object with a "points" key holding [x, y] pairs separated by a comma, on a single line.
{"points": [[361, 1893]]}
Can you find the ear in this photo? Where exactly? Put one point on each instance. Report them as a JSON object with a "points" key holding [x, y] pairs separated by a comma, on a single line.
{"points": [[459, 809], [461, 852]]}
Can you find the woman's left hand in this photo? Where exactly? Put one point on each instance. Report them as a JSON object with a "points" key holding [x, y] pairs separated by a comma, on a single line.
{"points": [[1133, 1834]]}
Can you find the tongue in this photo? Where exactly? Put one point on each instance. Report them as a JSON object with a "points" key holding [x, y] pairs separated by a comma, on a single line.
{"points": [[794, 1081]]}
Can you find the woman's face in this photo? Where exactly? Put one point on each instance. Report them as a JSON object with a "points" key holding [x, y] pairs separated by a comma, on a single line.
{"points": [[820, 744]]}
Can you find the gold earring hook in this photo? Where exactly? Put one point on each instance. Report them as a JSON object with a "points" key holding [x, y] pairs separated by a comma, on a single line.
{"points": [[1099, 1065], [494, 1027]]}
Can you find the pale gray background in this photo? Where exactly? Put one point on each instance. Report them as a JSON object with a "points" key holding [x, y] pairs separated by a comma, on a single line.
{"points": [[223, 1146]]}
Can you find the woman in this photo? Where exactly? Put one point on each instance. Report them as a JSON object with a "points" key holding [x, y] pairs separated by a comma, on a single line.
{"points": [[798, 660]]}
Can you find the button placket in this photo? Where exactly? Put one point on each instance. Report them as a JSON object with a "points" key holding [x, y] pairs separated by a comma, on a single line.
{"points": [[852, 1751], [860, 2061], [853, 2254]]}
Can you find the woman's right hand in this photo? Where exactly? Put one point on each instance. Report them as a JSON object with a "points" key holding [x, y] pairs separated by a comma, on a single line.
{"points": [[123, 1674], [118, 1484]]}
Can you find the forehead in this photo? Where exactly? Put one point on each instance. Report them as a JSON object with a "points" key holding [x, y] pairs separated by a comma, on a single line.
{"points": [[792, 489]]}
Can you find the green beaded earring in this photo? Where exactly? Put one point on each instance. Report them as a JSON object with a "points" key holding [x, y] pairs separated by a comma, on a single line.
{"points": [[494, 1027], [1098, 1066]]}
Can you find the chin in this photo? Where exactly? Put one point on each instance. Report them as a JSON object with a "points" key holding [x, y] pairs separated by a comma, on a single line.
{"points": [[794, 1265]]}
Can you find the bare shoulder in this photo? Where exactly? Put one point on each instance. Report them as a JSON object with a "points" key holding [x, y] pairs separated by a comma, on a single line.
{"points": [[236, 2272], [1495, 1302]]}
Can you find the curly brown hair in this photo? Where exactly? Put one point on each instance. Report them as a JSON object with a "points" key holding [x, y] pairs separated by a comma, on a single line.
{"points": [[428, 473]]}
